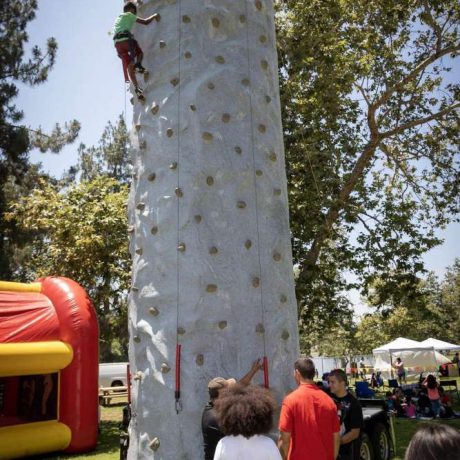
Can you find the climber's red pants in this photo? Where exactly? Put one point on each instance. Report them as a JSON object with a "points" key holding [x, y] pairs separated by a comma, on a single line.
{"points": [[128, 51]]}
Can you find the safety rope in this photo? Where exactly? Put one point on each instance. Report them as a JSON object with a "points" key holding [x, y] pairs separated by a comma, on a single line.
{"points": [[261, 283], [177, 393]]}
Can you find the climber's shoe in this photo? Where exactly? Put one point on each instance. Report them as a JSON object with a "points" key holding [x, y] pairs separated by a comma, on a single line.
{"points": [[139, 93], [139, 68]]}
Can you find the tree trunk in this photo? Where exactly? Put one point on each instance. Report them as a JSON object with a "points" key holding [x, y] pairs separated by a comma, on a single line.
{"points": [[212, 264]]}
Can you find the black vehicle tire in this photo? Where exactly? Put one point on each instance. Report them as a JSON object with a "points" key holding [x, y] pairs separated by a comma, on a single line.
{"points": [[365, 451], [381, 442], [117, 383]]}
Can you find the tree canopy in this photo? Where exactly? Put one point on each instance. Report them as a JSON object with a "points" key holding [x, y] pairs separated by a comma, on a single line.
{"points": [[371, 128]]}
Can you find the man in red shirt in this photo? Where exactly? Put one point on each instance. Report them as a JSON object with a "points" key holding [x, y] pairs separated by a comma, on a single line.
{"points": [[309, 425]]}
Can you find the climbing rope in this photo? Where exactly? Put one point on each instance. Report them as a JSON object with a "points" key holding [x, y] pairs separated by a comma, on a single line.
{"points": [[251, 113], [177, 394]]}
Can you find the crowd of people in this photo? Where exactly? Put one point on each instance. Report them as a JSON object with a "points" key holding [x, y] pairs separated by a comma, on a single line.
{"points": [[320, 422]]}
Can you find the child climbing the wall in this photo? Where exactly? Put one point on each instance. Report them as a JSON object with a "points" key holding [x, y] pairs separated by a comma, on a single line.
{"points": [[127, 47]]}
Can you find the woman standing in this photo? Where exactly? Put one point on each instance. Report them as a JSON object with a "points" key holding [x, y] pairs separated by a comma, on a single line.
{"points": [[433, 393], [245, 417]]}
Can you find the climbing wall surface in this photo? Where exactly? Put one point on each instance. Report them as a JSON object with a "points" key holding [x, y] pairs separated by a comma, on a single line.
{"points": [[210, 239]]}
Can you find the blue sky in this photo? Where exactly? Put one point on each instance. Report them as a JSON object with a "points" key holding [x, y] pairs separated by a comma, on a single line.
{"points": [[87, 84]]}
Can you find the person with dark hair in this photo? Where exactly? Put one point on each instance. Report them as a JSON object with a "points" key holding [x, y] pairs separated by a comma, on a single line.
{"points": [[434, 442], [245, 416], [126, 45], [209, 420], [309, 426], [433, 393], [400, 371], [350, 415]]}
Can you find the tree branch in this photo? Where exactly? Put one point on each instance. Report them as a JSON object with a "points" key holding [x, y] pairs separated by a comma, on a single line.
{"points": [[411, 75], [418, 122]]}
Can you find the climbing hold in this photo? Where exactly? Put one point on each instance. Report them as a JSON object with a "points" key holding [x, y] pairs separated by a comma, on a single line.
{"points": [[169, 132], [179, 192], [138, 375], [131, 229], [137, 339], [165, 368], [264, 64], [283, 298], [272, 156], [180, 330], [151, 177], [162, 43], [262, 128], [199, 360], [174, 81], [192, 107], [238, 150], [255, 282], [276, 256], [213, 251], [215, 22], [154, 444], [186, 19], [140, 206], [242, 18], [260, 328], [154, 311], [220, 59], [154, 230], [258, 5], [132, 101], [277, 191], [181, 247], [222, 324], [245, 82], [211, 288], [211, 85], [226, 117], [248, 244], [259, 172], [207, 136], [285, 335], [241, 204], [143, 145], [187, 55], [263, 39], [268, 99], [155, 108], [173, 165], [198, 219], [138, 251], [138, 127], [210, 180]]}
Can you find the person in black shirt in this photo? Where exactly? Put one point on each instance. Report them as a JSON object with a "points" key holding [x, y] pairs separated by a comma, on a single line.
{"points": [[350, 414], [209, 424]]}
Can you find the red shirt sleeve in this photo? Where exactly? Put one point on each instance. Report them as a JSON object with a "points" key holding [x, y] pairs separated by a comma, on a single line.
{"points": [[285, 419], [335, 419]]}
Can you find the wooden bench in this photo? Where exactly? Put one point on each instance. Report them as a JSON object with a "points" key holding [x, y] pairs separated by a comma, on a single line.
{"points": [[450, 384], [106, 394]]}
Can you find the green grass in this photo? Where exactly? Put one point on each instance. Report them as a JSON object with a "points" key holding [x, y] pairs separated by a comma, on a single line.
{"points": [[108, 445]]}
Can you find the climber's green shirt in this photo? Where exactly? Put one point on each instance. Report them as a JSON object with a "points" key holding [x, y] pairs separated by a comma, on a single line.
{"points": [[124, 23]]}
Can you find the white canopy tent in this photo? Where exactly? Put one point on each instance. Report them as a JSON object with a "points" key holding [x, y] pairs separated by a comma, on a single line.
{"points": [[416, 357], [440, 344]]}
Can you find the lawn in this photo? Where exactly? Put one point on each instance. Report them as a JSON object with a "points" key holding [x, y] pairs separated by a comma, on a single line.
{"points": [[109, 439]]}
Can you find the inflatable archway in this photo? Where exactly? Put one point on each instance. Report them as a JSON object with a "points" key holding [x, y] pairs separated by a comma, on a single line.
{"points": [[48, 368]]}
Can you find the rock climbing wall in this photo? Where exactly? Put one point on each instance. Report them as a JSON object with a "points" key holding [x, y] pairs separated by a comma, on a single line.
{"points": [[210, 239]]}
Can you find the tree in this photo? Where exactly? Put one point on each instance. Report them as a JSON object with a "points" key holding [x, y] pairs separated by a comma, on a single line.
{"points": [[16, 139], [371, 129], [80, 232]]}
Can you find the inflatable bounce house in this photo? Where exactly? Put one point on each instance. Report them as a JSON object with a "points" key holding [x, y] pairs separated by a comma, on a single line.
{"points": [[48, 368]]}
